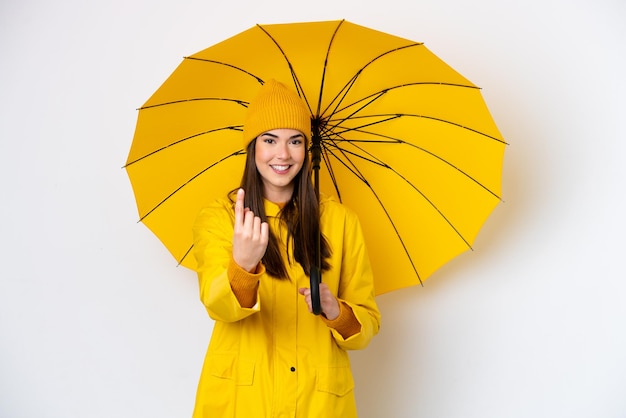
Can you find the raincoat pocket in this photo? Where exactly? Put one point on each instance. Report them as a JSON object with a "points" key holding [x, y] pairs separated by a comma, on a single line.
{"points": [[336, 380], [229, 366]]}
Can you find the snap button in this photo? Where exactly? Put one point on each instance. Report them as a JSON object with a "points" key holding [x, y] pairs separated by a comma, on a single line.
{"points": [[293, 369]]}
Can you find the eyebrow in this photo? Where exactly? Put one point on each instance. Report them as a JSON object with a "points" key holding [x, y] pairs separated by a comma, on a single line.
{"points": [[299, 135]]}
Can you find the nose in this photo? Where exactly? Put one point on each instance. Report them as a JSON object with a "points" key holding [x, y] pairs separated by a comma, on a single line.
{"points": [[282, 151]]}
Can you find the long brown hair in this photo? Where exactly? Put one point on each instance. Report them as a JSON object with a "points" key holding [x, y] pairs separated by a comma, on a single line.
{"points": [[301, 215]]}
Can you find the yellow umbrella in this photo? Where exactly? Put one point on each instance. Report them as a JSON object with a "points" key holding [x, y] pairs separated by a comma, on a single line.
{"points": [[406, 141]]}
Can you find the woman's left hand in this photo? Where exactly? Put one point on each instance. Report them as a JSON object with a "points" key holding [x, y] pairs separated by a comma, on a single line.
{"points": [[328, 301]]}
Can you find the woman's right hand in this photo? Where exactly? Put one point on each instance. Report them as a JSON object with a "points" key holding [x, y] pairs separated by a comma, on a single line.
{"points": [[250, 236]]}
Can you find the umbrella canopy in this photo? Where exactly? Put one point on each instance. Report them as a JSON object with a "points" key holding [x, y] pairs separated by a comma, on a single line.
{"points": [[407, 142]]}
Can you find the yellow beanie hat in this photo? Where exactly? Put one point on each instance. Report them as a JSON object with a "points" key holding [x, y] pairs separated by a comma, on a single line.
{"points": [[276, 107]]}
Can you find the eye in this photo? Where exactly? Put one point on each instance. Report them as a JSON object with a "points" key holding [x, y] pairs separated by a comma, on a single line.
{"points": [[268, 140]]}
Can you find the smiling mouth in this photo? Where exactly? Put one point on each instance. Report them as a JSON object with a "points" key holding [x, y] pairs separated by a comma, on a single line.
{"points": [[280, 168]]}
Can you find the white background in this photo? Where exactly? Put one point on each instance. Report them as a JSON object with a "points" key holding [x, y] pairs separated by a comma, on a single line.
{"points": [[96, 320]]}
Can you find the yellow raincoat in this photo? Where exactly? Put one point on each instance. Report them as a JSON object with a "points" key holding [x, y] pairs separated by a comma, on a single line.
{"points": [[276, 359]]}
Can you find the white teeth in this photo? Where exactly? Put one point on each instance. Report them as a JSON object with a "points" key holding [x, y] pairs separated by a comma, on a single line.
{"points": [[280, 167]]}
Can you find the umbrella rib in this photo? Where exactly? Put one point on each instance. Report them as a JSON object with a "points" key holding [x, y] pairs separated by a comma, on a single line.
{"points": [[372, 98], [377, 95], [333, 129], [226, 65], [387, 166], [401, 141], [391, 116], [194, 99], [330, 44], [234, 154], [294, 76], [331, 172], [346, 88], [163, 148], [354, 170], [185, 255]]}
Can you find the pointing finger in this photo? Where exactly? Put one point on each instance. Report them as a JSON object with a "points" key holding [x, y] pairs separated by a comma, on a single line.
{"points": [[239, 212]]}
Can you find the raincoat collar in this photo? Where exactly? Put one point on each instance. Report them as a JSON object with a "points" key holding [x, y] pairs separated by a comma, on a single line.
{"points": [[271, 209]]}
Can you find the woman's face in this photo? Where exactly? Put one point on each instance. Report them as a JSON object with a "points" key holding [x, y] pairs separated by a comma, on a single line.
{"points": [[279, 155]]}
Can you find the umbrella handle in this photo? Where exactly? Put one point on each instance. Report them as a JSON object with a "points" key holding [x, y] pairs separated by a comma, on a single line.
{"points": [[316, 278], [316, 270]]}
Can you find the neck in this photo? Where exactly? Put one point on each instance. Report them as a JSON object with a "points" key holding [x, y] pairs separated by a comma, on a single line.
{"points": [[278, 196]]}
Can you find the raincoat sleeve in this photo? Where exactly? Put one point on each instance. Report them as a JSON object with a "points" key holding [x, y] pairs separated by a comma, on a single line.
{"points": [[356, 287], [213, 233]]}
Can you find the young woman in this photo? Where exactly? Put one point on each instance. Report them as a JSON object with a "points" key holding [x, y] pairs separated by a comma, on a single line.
{"points": [[268, 355]]}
